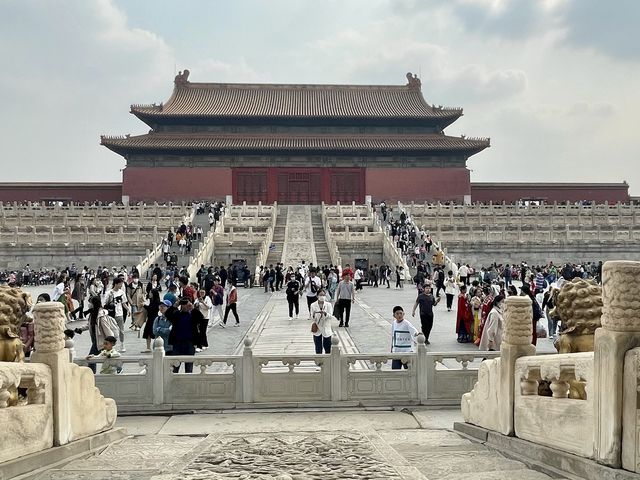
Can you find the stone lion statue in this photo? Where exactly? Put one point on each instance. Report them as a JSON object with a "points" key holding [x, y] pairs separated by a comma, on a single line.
{"points": [[14, 307], [578, 305]]}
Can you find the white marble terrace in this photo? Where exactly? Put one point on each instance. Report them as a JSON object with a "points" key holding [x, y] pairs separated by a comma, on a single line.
{"points": [[605, 425]]}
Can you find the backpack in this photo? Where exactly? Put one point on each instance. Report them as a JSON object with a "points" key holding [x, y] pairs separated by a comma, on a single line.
{"points": [[107, 322], [219, 298]]}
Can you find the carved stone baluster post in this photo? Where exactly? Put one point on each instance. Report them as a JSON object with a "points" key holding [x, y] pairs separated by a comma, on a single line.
{"points": [[49, 349], [336, 369], [620, 332], [422, 369], [516, 343], [247, 373], [157, 371]]}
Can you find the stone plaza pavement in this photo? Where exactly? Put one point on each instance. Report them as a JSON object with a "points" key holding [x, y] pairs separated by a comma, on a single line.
{"points": [[264, 317], [303, 445]]}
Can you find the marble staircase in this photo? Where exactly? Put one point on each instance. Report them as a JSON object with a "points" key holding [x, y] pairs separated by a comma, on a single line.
{"points": [[323, 255], [277, 244]]}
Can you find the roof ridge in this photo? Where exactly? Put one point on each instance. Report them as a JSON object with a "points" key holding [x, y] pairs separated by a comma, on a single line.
{"points": [[292, 86], [294, 135]]}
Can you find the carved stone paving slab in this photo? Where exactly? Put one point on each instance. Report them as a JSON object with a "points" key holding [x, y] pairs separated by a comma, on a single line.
{"points": [[299, 456], [299, 236]]}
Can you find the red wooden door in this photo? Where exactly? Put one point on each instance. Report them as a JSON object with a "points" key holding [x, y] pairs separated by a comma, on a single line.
{"points": [[346, 187], [251, 187], [299, 187]]}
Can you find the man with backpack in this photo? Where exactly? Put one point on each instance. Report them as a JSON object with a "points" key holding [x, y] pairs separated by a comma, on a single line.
{"points": [[311, 286]]}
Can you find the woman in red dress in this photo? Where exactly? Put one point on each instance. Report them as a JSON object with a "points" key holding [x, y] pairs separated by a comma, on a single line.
{"points": [[464, 318]]}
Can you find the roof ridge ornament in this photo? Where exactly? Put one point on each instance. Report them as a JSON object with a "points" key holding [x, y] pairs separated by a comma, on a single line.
{"points": [[414, 82], [182, 78]]}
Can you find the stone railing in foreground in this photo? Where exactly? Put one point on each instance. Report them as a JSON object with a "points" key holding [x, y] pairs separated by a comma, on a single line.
{"points": [[591, 406], [62, 403], [333, 379]]}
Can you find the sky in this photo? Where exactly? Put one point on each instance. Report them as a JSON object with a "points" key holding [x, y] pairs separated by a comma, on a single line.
{"points": [[553, 83]]}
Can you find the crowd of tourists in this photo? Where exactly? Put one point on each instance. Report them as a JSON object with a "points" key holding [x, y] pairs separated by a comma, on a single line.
{"points": [[177, 310], [165, 304]]}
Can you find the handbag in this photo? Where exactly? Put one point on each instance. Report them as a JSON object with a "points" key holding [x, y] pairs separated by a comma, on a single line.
{"points": [[314, 327]]}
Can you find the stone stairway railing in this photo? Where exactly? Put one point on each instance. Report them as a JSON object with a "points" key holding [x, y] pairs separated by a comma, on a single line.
{"points": [[334, 252], [449, 262], [155, 253], [261, 257], [391, 253]]}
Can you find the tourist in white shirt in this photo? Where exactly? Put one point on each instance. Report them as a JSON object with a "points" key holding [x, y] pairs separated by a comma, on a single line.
{"points": [[205, 305], [321, 316], [358, 278], [450, 289], [117, 303], [463, 272], [403, 335], [492, 333]]}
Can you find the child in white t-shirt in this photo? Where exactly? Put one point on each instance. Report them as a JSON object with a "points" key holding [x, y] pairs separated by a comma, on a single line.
{"points": [[403, 335]]}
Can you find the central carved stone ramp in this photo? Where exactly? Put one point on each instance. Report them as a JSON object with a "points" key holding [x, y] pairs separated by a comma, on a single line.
{"points": [[298, 243]]}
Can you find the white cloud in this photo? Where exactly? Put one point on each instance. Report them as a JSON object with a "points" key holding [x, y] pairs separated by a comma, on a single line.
{"points": [[76, 67], [544, 79]]}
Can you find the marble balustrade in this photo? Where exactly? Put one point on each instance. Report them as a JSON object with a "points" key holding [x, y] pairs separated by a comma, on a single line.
{"points": [[87, 235], [584, 403], [536, 233], [61, 405], [435, 215], [216, 381], [161, 216]]}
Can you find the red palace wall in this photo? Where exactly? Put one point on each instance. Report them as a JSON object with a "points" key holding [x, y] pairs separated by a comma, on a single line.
{"points": [[419, 184], [66, 192], [176, 183], [512, 193]]}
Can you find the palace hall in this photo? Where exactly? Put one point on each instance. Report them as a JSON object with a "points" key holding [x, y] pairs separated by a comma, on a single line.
{"points": [[295, 144], [301, 144]]}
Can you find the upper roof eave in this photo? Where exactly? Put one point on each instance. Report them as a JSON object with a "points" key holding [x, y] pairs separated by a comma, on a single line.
{"points": [[294, 101]]}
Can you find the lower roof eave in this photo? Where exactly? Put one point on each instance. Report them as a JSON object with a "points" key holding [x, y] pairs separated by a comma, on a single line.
{"points": [[290, 152]]}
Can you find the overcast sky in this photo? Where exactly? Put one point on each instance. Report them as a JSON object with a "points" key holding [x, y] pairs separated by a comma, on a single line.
{"points": [[554, 83]]}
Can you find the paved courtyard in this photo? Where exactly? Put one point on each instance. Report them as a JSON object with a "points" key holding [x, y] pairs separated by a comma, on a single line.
{"points": [[304, 445], [264, 317]]}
